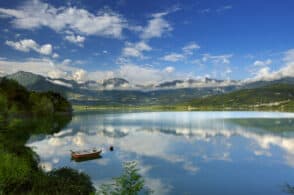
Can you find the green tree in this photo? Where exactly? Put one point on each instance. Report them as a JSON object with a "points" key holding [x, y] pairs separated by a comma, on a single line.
{"points": [[129, 183], [42, 105], [3, 103]]}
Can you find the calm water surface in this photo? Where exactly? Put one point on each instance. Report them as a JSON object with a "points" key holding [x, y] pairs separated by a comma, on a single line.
{"points": [[181, 152]]}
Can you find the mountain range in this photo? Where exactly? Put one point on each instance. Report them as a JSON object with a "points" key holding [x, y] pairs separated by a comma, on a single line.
{"points": [[119, 91]]}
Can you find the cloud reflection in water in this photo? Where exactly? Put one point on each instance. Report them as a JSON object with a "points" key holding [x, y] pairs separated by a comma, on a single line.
{"points": [[187, 141]]}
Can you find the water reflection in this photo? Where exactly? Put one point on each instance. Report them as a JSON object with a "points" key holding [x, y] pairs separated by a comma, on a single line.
{"points": [[181, 152]]}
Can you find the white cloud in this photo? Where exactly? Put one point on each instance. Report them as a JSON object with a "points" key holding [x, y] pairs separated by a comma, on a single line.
{"points": [[43, 67], [173, 57], [189, 48], [79, 75], [24, 45], [77, 39], [134, 73], [45, 49], [139, 75], [169, 69], [156, 26], [66, 62], [262, 63], [135, 49], [36, 14], [55, 55], [289, 56], [100, 75], [187, 51], [265, 73], [217, 59], [27, 45]]}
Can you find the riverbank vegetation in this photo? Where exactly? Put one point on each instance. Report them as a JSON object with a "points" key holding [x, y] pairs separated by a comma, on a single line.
{"points": [[22, 114], [130, 182]]}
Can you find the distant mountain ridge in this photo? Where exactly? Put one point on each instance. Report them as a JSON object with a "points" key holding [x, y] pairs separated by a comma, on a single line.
{"points": [[119, 91]]}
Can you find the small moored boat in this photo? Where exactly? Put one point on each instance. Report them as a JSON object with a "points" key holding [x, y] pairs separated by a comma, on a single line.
{"points": [[92, 153]]}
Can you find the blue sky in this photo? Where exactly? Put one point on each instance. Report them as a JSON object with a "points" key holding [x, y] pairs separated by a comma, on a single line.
{"points": [[148, 41]]}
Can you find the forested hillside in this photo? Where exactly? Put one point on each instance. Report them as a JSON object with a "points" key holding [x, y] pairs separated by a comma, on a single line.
{"points": [[276, 96], [15, 99]]}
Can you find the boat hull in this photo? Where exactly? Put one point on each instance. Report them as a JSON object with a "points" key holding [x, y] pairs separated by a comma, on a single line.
{"points": [[85, 156]]}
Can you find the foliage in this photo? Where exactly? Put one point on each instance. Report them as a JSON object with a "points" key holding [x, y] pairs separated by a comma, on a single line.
{"points": [[130, 182], [65, 181], [14, 171], [3, 103], [16, 100], [19, 171]]}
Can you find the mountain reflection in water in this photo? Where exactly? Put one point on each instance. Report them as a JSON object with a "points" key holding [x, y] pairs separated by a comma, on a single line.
{"points": [[178, 152]]}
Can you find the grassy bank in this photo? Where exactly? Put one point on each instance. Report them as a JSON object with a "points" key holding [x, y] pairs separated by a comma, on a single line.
{"points": [[82, 108], [287, 107]]}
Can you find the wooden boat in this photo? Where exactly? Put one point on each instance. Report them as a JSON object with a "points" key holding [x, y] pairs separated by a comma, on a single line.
{"points": [[93, 153]]}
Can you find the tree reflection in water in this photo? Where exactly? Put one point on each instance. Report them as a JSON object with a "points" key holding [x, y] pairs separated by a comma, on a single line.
{"points": [[19, 170]]}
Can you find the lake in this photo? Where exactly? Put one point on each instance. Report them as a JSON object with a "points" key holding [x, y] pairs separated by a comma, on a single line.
{"points": [[181, 152]]}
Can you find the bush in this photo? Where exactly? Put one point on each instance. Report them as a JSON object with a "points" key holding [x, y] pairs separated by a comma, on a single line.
{"points": [[129, 183], [14, 172]]}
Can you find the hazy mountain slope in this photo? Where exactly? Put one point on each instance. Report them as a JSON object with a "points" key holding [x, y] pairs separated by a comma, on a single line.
{"points": [[38, 83], [275, 95], [285, 80]]}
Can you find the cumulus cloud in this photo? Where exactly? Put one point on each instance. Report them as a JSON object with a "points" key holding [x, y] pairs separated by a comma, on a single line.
{"points": [[55, 55], [79, 75], [27, 45], [139, 74], [156, 26], [289, 56], [173, 57], [189, 48], [136, 74], [169, 69], [135, 49], [44, 67], [77, 39], [66, 61], [217, 59], [45, 49], [265, 73], [262, 63], [187, 51], [36, 14]]}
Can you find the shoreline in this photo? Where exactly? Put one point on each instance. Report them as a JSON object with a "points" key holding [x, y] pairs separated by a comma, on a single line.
{"points": [[82, 108]]}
